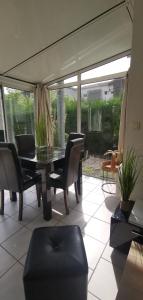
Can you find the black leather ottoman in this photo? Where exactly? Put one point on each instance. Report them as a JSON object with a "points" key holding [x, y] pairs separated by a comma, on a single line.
{"points": [[56, 265]]}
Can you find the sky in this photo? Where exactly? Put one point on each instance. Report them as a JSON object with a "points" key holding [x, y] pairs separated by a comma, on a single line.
{"points": [[114, 67]]}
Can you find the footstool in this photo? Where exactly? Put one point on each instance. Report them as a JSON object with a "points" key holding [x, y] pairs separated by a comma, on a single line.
{"points": [[56, 265]]}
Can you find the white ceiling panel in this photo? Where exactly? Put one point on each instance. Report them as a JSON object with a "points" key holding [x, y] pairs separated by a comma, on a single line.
{"points": [[27, 26], [107, 36]]}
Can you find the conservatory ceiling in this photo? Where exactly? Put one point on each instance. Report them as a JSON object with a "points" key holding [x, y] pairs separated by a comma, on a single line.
{"points": [[48, 39]]}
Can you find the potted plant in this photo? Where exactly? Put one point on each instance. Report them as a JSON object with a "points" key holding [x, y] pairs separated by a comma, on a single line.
{"points": [[128, 175], [41, 135]]}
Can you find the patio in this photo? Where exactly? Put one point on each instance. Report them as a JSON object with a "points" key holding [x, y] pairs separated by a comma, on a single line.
{"points": [[92, 215]]}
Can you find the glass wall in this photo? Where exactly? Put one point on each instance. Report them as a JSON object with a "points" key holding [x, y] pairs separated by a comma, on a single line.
{"points": [[64, 113], [19, 112], [1, 119], [100, 114], [100, 120]]}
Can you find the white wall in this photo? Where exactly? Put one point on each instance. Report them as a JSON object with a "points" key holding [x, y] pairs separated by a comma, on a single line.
{"points": [[134, 125]]}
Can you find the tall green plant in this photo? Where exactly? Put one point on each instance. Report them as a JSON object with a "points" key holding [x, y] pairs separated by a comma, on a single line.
{"points": [[128, 174], [41, 136]]}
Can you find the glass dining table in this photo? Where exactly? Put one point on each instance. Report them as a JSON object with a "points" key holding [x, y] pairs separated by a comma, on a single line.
{"points": [[43, 160]]}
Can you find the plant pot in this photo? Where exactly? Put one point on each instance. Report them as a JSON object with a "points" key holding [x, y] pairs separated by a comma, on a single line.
{"points": [[125, 205]]}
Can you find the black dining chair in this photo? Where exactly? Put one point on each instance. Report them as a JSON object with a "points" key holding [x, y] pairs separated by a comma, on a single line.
{"points": [[14, 178], [69, 173], [59, 165], [26, 147], [25, 144]]}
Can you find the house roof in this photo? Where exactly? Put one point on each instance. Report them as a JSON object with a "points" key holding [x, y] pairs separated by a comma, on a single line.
{"points": [[41, 41]]}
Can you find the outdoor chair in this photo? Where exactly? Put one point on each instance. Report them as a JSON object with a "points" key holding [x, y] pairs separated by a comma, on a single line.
{"points": [[69, 172], [14, 178], [110, 165]]}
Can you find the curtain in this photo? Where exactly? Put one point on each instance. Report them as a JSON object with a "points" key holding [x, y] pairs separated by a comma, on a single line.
{"points": [[43, 110], [122, 128]]}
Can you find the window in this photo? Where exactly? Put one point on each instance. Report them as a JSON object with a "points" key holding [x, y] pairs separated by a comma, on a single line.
{"points": [[64, 113], [114, 67], [100, 114], [19, 110]]}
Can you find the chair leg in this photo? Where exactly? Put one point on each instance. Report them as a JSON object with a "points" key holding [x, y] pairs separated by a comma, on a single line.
{"points": [[65, 200], [54, 191], [2, 202], [13, 196], [20, 206], [39, 192], [76, 192]]}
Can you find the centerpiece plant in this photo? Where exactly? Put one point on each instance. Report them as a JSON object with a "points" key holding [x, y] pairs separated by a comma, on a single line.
{"points": [[129, 172], [41, 135]]}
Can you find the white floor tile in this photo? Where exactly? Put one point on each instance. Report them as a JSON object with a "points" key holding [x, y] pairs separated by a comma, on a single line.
{"points": [[96, 196], [116, 257], [11, 208], [98, 230], [87, 207], [105, 280], [23, 259], [91, 297], [87, 186], [93, 249], [90, 272], [4, 217], [11, 284], [18, 244], [6, 261], [40, 222], [103, 213], [76, 218], [29, 214], [7, 228]]}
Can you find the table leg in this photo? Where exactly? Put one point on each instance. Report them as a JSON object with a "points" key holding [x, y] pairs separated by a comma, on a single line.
{"points": [[46, 196], [79, 181]]}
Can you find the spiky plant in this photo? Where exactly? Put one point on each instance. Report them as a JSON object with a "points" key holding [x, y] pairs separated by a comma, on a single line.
{"points": [[128, 174], [41, 137]]}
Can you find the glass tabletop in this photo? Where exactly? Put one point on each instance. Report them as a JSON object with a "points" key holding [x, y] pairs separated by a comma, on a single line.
{"points": [[45, 155]]}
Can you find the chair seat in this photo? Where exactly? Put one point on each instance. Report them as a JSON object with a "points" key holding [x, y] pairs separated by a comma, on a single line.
{"points": [[56, 266], [30, 178], [56, 180], [109, 168]]}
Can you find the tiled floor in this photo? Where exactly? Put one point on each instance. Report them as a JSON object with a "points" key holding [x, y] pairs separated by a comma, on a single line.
{"points": [[92, 215]]}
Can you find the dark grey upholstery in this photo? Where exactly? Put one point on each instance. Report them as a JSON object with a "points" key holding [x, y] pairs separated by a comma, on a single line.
{"points": [[25, 144], [26, 147], [69, 173], [2, 138], [13, 177], [72, 136], [56, 265]]}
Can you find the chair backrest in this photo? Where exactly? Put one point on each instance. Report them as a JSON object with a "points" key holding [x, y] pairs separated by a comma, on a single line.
{"points": [[25, 144], [72, 159], [10, 169], [2, 138], [76, 135]]}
